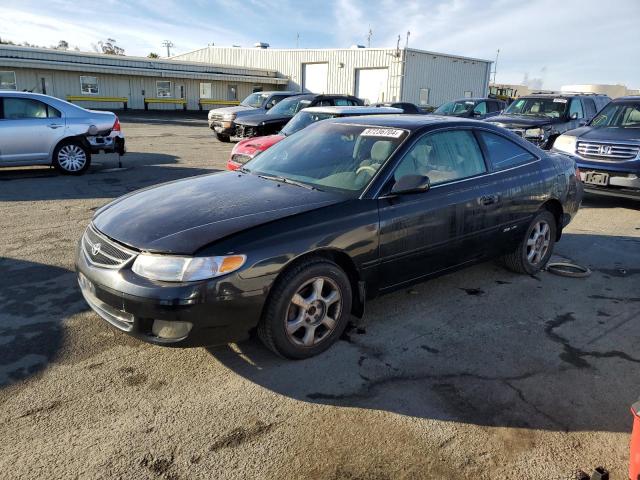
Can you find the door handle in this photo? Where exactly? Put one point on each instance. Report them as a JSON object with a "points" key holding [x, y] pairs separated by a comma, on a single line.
{"points": [[55, 125], [488, 200]]}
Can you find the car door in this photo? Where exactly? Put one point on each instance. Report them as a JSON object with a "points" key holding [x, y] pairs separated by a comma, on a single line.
{"points": [[448, 225], [29, 130]]}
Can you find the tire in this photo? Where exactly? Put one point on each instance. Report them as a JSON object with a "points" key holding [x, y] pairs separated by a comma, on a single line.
{"points": [[223, 138], [534, 251], [297, 322], [550, 142], [71, 157]]}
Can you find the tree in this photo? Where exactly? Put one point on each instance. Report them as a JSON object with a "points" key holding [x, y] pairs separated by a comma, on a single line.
{"points": [[62, 45], [153, 55], [110, 48]]}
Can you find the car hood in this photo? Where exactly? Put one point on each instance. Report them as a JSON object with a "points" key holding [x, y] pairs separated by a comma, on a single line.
{"points": [[254, 120], [184, 216], [253, 144], [523, 121], [238, 109], [607, 134]]}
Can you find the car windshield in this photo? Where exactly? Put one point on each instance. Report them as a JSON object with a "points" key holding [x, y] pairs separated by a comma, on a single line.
{"points": [[621, 115], [538, 107], [302, 120], [455, 108], [329, 156], [290, 106], [254, 100]]}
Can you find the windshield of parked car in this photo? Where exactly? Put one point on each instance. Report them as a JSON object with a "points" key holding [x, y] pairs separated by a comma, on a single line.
{"points": [[302, 120], [290, 106], [455, 108], [330, 156], [621, 115], [538, 107], [254, 100]]}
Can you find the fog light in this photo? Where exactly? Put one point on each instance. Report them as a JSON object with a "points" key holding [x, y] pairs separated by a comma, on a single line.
{"points": [[171, 330]]}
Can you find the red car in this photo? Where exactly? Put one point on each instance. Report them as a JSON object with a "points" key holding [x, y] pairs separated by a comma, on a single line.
{"points": [[248, 148]]}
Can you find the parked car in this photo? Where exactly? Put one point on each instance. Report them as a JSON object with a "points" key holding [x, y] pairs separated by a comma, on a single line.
{"points": [[607, 149], [303, 235], [38, 129], [406, 107], [221, 120], [478, 108], [272, 121], [248, 148], [541, 118]]}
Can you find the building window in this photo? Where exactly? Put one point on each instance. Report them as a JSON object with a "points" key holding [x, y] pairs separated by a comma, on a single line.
{"points": [[232, 92], [256, 89], [89, 85], [163, 88], [8, 81], [468, 94], [205, 90], [424, 96]]}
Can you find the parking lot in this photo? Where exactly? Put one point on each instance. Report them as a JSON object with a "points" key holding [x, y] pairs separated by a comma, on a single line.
{"points": [[479, 374]]}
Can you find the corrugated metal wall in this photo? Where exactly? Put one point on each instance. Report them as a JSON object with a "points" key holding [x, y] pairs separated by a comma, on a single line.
{"points": [[446, 77]]}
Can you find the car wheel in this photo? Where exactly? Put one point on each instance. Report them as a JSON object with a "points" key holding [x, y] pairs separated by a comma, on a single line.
{"points": [[536, 248], [223, 138], [71, 158], [308, 309]]}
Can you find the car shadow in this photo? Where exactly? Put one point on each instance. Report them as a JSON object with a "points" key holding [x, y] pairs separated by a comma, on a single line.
{"points": [[35, 300], [602, 201], [103, 180], [484, 346]]}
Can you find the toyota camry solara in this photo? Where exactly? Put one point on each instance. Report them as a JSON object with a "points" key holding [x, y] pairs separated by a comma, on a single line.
{"points": [[299, 239]]}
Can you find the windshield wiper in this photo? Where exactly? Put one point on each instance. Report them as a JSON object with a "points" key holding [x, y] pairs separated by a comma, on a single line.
{"points": [[278, 178]]}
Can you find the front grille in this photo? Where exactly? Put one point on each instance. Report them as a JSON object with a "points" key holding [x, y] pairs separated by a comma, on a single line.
{"points": [[104, 252], [245, 131], [240, 158], [608, 151]]}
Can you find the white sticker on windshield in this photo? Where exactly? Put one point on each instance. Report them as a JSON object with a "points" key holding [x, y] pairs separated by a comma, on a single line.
{"points": [[382, 132], [560, 100]]}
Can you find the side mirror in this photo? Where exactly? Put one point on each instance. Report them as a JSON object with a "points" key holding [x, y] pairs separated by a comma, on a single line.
{"points": [[574, 116], [411, 184], [476, 114]]}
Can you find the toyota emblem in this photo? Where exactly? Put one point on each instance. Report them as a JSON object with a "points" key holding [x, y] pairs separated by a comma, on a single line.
{"points": [[95, 250]]}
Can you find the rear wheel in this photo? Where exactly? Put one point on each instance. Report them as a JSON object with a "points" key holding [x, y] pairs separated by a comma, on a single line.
{"points": [[223, 138], [71, 158], [308, 309], [535, 249]]}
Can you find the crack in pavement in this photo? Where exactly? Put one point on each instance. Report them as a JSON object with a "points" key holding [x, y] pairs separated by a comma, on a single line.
{"points": [[535, 408]]}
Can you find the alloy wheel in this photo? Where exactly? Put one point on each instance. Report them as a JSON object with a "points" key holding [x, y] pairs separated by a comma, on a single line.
{"points": [[538, 242], [313, 312], [72, 158]]}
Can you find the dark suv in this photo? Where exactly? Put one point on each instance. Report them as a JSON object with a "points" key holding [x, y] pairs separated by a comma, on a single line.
{"points": [[607, 149], [478, 108], [221, 120], [542, 117], [271, 122]]}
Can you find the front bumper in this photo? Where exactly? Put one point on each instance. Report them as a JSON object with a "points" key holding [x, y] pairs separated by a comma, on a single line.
{"points": [[217, 310], [621, 183], [220, 128]]}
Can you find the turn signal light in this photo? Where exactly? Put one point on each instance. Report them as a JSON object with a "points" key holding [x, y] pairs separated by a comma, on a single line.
{"points": [[231, 263]]}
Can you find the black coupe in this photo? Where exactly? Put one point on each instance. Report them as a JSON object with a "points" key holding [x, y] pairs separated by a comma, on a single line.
{"points": [[301, 237]]}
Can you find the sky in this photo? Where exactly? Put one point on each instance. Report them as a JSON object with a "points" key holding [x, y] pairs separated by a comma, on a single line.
{"points": [[543, 43]]}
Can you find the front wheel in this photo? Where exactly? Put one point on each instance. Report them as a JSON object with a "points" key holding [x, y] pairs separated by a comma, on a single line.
{"points": [[71, 158], [308, 309], [223, 138], [535, 249]]}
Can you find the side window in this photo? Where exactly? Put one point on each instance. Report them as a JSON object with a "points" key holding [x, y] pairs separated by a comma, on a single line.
{"points": [[590, 107], [342, 102], [443, 157], [26, 108], [504, 153], [480, 108], [325, 102], [576, 107]]}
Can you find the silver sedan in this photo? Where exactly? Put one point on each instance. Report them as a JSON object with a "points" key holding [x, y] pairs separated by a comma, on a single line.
{"points": [[38, 129]]}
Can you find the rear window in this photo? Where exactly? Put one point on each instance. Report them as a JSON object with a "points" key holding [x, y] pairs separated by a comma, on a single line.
{"points": [[504, 153]]}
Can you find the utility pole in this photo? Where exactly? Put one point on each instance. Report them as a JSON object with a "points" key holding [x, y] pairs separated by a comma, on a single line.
{"points": [[369, 35], [298, 40], [495, 67], [406, 45], [168, 44]]}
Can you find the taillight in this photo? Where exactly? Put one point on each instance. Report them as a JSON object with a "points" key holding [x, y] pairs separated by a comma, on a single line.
{"points": [[116, 126]]}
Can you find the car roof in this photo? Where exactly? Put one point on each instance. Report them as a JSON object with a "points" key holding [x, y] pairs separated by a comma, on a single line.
{"points": [[405, 121], [628, 98], [352, 109], [562, 95], [476, 99], [15, 93]]}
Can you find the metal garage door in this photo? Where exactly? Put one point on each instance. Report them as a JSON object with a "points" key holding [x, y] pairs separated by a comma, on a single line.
{"points": [[314, 77], [371, 84]]}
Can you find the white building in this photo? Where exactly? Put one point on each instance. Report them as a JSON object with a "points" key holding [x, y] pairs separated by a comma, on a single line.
{"points": [[374, 74]]}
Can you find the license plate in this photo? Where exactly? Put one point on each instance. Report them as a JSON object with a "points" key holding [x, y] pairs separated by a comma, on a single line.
{"points": [[596, 178]]}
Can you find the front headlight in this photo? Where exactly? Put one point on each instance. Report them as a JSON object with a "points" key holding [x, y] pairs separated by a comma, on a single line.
{"points": [[566, 144], [168, 268], [534, 133], [229, 117]]}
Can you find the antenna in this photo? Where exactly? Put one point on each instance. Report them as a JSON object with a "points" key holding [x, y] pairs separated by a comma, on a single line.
{"points": [[406, 45], [369, 35], [398, 45], [298, 40], [495, 66], [168, 44]]}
